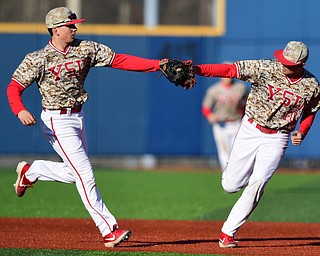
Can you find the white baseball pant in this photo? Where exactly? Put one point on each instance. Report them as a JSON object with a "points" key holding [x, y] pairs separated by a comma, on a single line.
{"points": [[66, 133], [254, 158]]}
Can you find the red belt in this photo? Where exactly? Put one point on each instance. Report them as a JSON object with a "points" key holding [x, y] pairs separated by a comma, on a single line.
{"points": [[64, 111], [264, 129]]}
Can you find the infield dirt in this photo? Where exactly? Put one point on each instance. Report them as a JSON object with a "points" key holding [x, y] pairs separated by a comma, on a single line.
{"points": [[192, 237]]}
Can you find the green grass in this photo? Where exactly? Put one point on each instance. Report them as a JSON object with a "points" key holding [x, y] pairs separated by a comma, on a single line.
{"points": [[163, 195], [128, 194]]}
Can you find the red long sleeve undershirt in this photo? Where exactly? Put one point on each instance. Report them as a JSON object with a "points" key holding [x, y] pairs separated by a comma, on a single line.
{"points": [[217, 70], [206, 111], [306, 122], [134, 63], [14, 92]]}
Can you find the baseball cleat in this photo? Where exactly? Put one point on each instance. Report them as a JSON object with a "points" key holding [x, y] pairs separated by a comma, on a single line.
{"points": [[226, 241], [22, 183], [116, 237]]}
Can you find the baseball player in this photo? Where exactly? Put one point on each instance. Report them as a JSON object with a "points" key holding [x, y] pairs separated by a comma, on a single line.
{"points": [[60, 70], [282, 91], [223, 107]]}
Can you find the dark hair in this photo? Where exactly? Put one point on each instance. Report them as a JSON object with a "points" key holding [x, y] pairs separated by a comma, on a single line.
{"points": [[50, 31]]}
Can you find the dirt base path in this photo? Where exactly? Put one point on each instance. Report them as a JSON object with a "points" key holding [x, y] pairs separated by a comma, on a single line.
{"points": [[194, 237]]}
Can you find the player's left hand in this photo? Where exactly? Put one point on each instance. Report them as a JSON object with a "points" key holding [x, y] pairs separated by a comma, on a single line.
{"points": [[296, 138]]}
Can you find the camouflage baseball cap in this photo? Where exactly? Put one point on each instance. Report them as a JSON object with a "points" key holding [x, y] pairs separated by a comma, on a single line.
{"points": [[61, 16], [293, 54]]}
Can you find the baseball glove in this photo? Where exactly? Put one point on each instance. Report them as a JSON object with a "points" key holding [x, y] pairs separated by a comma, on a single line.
{"points": [[178, 72]]}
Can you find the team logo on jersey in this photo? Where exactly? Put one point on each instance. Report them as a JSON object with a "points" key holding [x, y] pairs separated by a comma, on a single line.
{"points": [[292, 101], [68, 69], [288, 98]]}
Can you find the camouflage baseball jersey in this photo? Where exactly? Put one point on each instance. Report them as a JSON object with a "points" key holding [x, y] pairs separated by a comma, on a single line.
{"points": [[274, 101], [227, 103], [60, 75]]}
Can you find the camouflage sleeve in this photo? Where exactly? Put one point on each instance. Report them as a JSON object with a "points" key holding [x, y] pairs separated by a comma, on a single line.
{"points": [[28, 71], [314, 104], [251, 70], [103, 55]]}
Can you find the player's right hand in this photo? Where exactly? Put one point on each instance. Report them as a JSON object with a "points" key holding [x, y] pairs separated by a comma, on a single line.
{"points": [[27, 118]]}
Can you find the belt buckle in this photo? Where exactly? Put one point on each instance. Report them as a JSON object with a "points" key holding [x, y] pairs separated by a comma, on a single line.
{"points": [[69, 111]]}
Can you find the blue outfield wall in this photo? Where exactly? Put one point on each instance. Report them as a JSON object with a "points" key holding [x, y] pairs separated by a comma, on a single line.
{"points": [[139, 113]]}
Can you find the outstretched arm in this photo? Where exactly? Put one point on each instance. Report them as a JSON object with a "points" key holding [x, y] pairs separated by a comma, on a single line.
{"points": [[217, 70], [176, 71], [134, 63]]}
